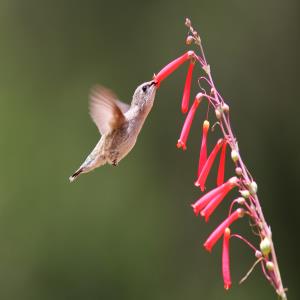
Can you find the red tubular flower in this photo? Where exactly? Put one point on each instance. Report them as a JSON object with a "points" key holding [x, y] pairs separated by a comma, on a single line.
{"points": [[226, 260], [217, 233], [219, 192], [188, 122], [213, 204], [172, 66], [203, 149], [187, 88], [206, 168], [221, 170]]}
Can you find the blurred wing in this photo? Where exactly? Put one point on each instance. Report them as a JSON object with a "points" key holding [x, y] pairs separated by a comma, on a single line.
{"points": [[104, 110], [123, 106]]}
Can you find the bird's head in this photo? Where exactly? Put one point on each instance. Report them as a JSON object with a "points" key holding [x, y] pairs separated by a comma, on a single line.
{"points": [[144, 94]]}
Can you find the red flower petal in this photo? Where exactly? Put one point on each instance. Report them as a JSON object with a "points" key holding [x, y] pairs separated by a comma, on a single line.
{"points": [[221, 191], [213, 204], [172, 66], [188, 122], [203, 149], [221, 170], [226, 260], [206, 168], [218, 232], [187, 88]]}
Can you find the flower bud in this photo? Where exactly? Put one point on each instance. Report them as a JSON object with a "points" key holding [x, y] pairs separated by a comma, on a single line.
{"points": [[206, 69], [233, 181], [188, 22], [225, 107], [218, 113], [199, 96], [191, 53], [241, 212], [258, 254], [253, 188], [270, 266], [265, 246], [234, 155], [245, 193], [241, 200], [189, 40], [238, 171]]}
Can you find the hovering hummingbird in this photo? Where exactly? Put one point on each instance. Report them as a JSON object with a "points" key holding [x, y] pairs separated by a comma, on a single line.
{"points": [[118, 123]]}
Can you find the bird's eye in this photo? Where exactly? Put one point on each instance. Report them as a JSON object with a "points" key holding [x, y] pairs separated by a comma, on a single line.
{"points": [[144, 88]]}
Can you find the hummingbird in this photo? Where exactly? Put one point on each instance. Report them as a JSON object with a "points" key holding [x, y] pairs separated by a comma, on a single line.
{"points": [[118, 123]]}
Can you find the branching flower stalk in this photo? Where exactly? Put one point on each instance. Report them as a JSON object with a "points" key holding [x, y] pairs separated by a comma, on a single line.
{"points": [[248, 204]]}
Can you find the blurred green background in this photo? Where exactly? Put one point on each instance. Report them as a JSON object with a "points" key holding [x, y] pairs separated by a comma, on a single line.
{"points": [[129, 232]]}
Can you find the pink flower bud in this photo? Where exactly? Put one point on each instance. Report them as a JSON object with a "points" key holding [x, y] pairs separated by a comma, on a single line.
{"points": [[189, 40], [238, 171]]}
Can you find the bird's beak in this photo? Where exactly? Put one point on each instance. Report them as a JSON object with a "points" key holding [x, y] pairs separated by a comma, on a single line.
{"points": [[153, 85], [153, 82]]}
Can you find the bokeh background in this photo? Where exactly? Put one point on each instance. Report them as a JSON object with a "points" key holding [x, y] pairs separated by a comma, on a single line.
{"points": [[129, 232]]}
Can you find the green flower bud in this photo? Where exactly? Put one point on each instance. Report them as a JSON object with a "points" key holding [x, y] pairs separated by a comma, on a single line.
{"points": [[245, 193], [253, 188], [265, 246], [270, 266], [234, 155]]}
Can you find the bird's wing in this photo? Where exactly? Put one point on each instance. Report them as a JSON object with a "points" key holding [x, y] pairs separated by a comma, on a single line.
{"points": [[123, 106], [104, 110]]}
